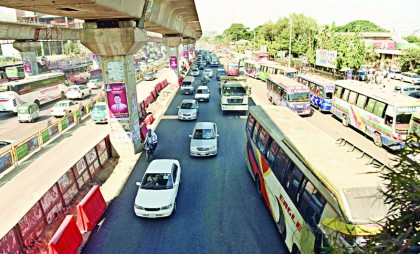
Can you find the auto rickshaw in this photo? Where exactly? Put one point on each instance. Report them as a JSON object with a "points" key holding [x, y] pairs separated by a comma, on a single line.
{"points": [[28, 112]]}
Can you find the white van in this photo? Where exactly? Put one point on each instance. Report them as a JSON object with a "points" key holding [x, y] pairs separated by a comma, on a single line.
{"points": [[202, 93], [187, 85]]}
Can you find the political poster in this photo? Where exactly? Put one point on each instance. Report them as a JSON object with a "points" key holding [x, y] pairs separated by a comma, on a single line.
{"points": [[326, 58], [117, 101]]}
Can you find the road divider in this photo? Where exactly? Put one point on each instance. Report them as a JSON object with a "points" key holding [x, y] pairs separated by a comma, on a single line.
{"points": [[90, 209], [67, 239]]}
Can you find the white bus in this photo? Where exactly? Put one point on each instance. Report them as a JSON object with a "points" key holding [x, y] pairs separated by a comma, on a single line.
{"points": [[380, 113], [320, 192], [38, 89]]}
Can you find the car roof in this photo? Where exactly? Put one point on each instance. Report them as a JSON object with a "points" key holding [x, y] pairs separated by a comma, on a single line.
{"points": [[203, 87], [188, 101], [204, 125], [161, 166]]}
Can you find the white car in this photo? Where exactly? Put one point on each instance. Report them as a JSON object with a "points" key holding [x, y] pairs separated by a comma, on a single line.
{"points": [[202, 93], [64, 107], [209, 72], [204, 139], [156, 196], [410, 77], [188, 110], [195, 72], [395, 74], [78, 92], [94, 83]]}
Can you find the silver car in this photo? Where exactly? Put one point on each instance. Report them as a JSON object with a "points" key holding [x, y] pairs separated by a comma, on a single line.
{"points": [[204, 139], [195, 72], [188, 110]]}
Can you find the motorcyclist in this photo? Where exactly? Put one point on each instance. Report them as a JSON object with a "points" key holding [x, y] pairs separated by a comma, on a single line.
{"points": [[151, 138]]}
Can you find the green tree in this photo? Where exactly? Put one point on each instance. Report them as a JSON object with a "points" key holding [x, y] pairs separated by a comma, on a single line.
{"points": [[72, 48], [360, 26], [237, 32], [410, 58], [412, 39]]}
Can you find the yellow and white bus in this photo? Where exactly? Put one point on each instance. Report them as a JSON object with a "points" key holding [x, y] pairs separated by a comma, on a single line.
{"points": [[380, 113], [37, 89], [318, 192]]}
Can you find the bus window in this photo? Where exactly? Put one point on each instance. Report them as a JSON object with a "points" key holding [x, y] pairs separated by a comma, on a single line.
{"points": [[311, 205], [292, 184], [328, 95], [338, 91], [361, 101], [255, 132], [345, 95], [280, 164], [250, 124], [379, 109], [271, 153], [353, 98], [370, 105], [262, 140]]}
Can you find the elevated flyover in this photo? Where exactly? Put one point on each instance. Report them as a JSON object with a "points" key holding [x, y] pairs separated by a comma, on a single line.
{"points": [[116, 30]]}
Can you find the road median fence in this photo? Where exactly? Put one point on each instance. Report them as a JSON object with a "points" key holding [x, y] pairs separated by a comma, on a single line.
{"points": [[21, 150]]}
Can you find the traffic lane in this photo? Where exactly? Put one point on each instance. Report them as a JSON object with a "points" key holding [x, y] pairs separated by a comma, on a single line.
{"points": [[13, 130], [217, 205]]}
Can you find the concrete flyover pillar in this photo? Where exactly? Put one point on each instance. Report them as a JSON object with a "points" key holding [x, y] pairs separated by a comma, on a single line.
{"points": [[28, 50], [172, 43], [186, 49], [117, 46]]}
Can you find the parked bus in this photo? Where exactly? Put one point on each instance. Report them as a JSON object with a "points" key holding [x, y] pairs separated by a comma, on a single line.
{"points": [[260, 56], [75, 74], [381, 114], [320, 192], [286, 92], [232, 68], [252, 68], [38, 89], [270, 67], [321, 90]]}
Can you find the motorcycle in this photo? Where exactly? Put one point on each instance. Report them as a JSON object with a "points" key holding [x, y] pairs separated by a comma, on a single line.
{"points": [[150, 151]]}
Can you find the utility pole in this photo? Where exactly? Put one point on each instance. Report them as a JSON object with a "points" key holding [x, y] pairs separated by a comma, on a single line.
{"points": [[290, 42]]}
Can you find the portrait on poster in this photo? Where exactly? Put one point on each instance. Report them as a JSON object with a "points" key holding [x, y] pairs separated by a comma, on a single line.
{"points": [[117, 100]]}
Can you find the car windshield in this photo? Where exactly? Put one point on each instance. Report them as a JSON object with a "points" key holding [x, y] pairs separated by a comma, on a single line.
{"points": [[195, 70], [202, 91], [203, 134], [221, 73], [23, 110], [297, 97], [157, 181], [415, 95], [187, 105], [73, 89], [99, 108], [416, 76], [186, 83], [149, 74], [233, 91]]}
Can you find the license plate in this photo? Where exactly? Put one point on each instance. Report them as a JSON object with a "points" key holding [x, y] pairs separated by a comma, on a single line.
{"points": [[152, 215]]}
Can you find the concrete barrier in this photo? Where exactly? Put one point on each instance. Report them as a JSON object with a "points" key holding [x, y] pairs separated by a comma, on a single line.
{"points": [[67, 239], [90, 209]]}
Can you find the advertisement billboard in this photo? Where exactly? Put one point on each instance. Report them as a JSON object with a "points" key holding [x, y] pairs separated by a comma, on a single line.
{"points": [[117, 100], [326, 58], [173, 62]]}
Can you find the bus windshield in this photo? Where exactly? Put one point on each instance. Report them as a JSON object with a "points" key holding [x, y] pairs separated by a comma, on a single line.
{"points": [[233, 66], [298, 97], [234, 91], [403, 121]]}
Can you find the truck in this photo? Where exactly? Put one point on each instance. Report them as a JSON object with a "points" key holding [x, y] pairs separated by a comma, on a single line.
{"points": [[234, 93]]}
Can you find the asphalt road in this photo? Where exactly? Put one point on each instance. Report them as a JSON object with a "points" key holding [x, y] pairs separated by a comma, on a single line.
{"points": [[218, 210], [11, 129]]}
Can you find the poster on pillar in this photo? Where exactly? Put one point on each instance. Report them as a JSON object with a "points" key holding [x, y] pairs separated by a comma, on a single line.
{"points": [[115, 72], [185, 53], [191, 50], [173, 62], [27, 68], [117, 101]]}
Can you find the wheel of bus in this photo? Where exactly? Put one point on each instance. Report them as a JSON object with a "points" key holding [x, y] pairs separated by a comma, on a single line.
{"points": [[281, 223], [258, 185], [377, 139], [83, 96], [345, 121], [295, 250]]}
